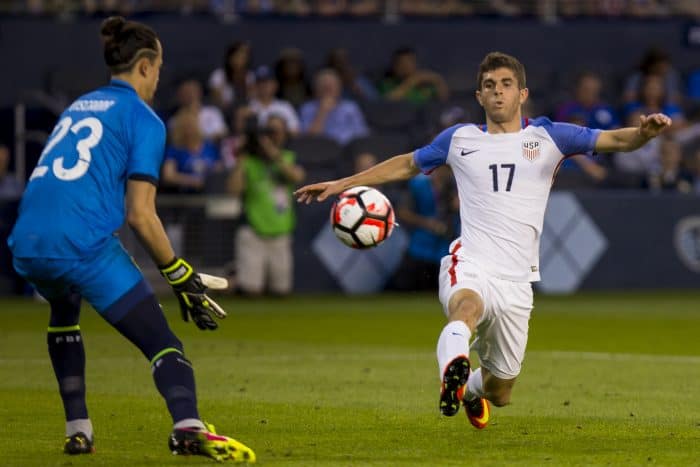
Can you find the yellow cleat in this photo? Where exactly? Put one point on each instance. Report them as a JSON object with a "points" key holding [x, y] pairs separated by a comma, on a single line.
{"points": [[194, 441], [478, 411]]}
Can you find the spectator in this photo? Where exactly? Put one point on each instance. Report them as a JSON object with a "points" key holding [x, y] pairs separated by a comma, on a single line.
{"points": [[643, 162], [364, 7], [428, 209], [189, 159], [231, 83], [290, 70], [298, 8], [435, 8], [265, 178], [232, 145], [10, 187], [653, 99], [330, 115], [672, 176], [331, 7], [211, 120], [265, 104], [405, 81], [587, 106], [355, 85], [658, 63]]}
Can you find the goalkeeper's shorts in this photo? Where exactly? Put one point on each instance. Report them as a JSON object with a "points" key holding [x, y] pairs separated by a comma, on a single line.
{"points": [[101, 278]]}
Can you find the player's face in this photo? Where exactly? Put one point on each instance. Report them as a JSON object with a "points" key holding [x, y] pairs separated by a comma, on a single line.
{"points": [[500, 95]]}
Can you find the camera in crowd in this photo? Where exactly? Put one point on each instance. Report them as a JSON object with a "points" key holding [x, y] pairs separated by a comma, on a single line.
{"points": [[253, 131]]}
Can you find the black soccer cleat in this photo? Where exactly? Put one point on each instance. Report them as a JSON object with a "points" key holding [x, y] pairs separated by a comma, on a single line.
{"points": [[454, 385], [78, 443]]}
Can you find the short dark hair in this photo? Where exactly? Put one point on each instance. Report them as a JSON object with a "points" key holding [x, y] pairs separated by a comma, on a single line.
{"points": [[126, 42], [495, 60], [403, 50]]}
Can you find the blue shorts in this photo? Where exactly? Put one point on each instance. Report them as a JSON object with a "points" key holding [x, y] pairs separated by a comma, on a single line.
{"points": [[101, 279]]}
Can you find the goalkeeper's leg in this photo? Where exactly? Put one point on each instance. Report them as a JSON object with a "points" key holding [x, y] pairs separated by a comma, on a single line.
{"points": [[65, 344], [142, 322]]}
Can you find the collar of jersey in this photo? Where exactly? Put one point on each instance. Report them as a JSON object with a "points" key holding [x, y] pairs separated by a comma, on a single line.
{"points": [[523, 123], [121, 84]]}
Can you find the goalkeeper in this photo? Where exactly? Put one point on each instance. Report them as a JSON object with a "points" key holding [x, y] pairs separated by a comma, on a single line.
{"points": [[109, 145]]}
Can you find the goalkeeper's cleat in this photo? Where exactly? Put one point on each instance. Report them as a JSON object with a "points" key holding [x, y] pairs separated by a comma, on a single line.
{"points": [[195, 441], [78, 443], [478, 411], [454, 385]]}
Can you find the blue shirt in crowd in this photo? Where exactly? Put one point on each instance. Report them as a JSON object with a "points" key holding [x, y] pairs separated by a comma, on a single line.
{"points": [[424, 244], [344, 123], [198, 163]]}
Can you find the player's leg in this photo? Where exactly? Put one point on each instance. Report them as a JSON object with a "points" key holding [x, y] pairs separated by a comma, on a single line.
{"points": [[65, 345], [250, 264], [280, 265], [464, 307], [496, 390], [501, 349], [121, 295]]}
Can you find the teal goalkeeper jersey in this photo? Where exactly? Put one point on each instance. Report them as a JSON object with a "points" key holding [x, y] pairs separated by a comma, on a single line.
{"points": [[74, 201]]}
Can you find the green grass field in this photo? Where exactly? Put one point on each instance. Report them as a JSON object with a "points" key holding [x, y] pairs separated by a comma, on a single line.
{"points": [[609, 379]]}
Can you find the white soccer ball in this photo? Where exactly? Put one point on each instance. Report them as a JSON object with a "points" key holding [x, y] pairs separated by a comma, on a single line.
{"points": [[362, 217]]}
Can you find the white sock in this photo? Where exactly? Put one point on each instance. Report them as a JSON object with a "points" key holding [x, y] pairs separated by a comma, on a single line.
{"points": [[78, 425], [475, 385], [189, 423], [453, 342]]}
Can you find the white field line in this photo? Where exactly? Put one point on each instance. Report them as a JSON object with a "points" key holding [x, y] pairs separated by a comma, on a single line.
{"points": [[378, 355]]}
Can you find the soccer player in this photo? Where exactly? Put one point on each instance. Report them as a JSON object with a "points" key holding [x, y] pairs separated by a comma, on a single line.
{"points": [[504, 171], [109, 145]]}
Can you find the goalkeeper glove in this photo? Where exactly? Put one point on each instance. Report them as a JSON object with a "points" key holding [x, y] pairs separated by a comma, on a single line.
{"points": [[190, 289]]}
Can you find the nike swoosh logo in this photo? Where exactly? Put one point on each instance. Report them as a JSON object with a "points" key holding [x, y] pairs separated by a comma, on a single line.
{"points": [[457, 334], [466, 152]]}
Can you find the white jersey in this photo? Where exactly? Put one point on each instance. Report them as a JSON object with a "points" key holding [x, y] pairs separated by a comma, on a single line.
{"points": [[503, 182]]}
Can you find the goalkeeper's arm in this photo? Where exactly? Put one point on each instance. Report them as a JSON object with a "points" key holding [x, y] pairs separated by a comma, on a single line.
{"points": [[189, 286], [144, 221]]}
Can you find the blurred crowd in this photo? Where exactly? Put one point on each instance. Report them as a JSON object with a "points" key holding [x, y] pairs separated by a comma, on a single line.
{"points": [[338, 117], [258, 130], [548, 10]]}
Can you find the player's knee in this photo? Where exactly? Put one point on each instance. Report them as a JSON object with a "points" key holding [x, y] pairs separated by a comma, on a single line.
{"points": [[467, 306], [166, 342]]}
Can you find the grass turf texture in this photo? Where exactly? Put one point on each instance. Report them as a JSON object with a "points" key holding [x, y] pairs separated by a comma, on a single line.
{"points": [[609, 379]]}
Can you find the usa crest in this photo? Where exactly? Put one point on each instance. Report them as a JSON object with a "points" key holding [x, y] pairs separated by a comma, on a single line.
{"points": [[531, 150]]}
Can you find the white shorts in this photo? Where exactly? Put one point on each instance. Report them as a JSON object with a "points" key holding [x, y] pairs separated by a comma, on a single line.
{"points": [[501, 333]]}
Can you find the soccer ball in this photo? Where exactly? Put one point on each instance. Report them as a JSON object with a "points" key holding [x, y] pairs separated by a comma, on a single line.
{"points": [[362, 217]]}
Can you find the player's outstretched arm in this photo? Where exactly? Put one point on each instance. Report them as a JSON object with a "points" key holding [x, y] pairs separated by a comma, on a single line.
{"points": [[189, 287], [397, 168], [629, 139]]}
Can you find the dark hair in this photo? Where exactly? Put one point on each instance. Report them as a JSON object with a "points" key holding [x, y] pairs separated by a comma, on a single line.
{"points": [[404, 50], [495, 60], [126, 42], [652, 57], [232, 49]]}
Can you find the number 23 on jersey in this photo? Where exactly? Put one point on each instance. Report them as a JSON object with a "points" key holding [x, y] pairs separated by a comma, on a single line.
{"points": [[83, 147]]}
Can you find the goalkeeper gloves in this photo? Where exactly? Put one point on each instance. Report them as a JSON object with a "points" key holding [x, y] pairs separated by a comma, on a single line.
{"points": [[190, 289]]}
